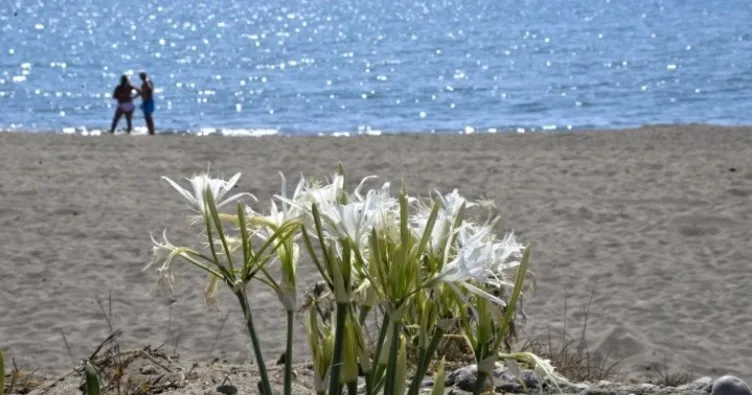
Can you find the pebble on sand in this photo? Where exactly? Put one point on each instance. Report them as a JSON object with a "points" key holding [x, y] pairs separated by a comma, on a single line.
{"points": [[730, 385]]}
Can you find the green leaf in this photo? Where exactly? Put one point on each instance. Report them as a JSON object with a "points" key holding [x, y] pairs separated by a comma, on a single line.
{"points": [[210, 237], [209, 198], [349, 352], [93, 384], [438, 381], [516, 292], [400, 374], [320, 234], [314, 257], [429, 229], [262, 256], [246, 239]]}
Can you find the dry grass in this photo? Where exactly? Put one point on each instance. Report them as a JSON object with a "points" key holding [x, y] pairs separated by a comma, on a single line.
{"points": [[669, 377], [142, 371], [570, 355], [20, 381]]}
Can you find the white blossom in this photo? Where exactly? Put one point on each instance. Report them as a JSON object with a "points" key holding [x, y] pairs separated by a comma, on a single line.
{"points": [[217, 187]]}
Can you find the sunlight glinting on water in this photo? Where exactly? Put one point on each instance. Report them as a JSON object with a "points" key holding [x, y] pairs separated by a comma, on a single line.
{"points": [[309, 67]]}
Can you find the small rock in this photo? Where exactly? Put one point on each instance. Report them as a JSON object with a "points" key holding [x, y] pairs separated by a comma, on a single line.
{"points": [[466, 378], [227, 389], [526, 382], [148, 370], [730, 385], [503, 379], [462, 378]]}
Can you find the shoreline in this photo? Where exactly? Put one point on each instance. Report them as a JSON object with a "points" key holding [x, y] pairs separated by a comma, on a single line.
{"points": [[272, 132], [655, 219]]}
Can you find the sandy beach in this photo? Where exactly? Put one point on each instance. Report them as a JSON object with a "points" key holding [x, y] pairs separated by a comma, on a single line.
{"points": [[655, 223]]}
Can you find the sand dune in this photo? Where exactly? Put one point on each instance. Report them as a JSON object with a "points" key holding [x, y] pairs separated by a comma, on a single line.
{"points": [[657, 221]]}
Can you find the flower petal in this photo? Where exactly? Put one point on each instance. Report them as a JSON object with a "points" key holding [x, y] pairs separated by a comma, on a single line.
{"points": [[234, 198], [182, 190], [226, 186]]}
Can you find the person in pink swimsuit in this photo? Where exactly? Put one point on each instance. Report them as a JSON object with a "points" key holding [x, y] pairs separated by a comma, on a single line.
{"points": [[125, 105]]}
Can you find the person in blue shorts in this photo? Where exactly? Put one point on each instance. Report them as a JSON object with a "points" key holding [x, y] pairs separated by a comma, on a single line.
{"points": [[147, 100]]}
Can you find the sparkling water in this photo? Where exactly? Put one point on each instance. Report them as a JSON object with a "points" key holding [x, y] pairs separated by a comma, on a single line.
{"points": [[300, 67]]}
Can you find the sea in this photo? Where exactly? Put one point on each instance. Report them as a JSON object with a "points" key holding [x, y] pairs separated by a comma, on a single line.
{"points": [[348, 67]]}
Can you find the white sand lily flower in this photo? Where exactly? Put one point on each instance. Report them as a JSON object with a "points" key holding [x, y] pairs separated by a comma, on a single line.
{"points": [[307, 193], [346, 221], [217, 186], [279, 215], [507, 254], [266, 228], [321, 195], [163, 252], [342, 220], [356, 219], [439, 233], [446, 219], [383, 210], [452, 203], [482, 259]]}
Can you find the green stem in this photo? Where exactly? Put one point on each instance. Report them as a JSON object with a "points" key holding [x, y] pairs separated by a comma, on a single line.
{"points": [[288, 354], [339, 337], [243, 299], [483, 353], [426, 357], [391, 368], [352, 388], [376, 371], [480, 383], [382, 337], [368, 382]]}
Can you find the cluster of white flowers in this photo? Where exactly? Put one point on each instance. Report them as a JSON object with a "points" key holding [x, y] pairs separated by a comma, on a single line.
{"points": [[470, 252], [422, 255]]}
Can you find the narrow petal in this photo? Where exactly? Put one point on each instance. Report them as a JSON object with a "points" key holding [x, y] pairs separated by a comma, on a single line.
{"points": [[356, 192], [299, 187], [186, 194], [483, 294], [234, 198], [283, 186], [199, 184], [227, 186]]}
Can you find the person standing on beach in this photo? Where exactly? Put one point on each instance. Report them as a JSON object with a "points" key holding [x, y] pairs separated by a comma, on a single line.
{"points": [[147, 101], [125, 105]]}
